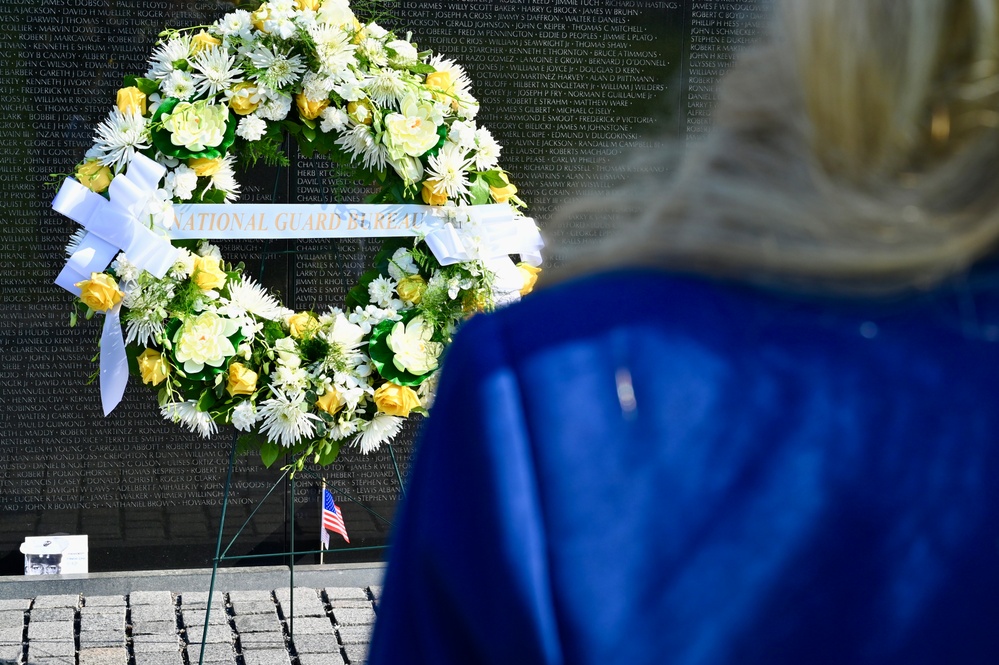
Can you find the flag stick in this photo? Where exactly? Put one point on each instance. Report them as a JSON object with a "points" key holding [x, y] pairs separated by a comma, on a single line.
{"points": [[322, 497]]}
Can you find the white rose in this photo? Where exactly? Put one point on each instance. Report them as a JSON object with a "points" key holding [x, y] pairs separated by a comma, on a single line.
{"points": [[414, 352], [411, 132], [204, 340], [410, 169], [197, 125]]}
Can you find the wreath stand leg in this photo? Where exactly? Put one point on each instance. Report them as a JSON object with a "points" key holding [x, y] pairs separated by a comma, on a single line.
{"points": [[223, 555]]}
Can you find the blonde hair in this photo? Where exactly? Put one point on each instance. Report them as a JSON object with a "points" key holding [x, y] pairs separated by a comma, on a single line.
{"points": [[855, 149]]}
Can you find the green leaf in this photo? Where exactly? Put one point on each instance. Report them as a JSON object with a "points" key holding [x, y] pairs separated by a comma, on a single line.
{"points": [[493, 178], [480, 194], [309, 133], [269, 452], [329, 454], [207, 400], [146, 86], [422, 68]]}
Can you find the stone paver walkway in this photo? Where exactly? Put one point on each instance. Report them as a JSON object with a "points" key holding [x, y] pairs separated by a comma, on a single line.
{"points": [[331, 626]]}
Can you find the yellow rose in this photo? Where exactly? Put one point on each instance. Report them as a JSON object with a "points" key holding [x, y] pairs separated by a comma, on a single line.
{"points": [[308, 109], [330, 401], [530, 274], [203, 166], [100, 292], [304, 5], [430, 197], [153, 367], [208, 273], [203, 40], [503, 194], [93, 175], [258, 17], [361, 112], [411, 288], [245, 98], [396, 400], [131, 99], [242, 380], [442, 84], [301, 324]]}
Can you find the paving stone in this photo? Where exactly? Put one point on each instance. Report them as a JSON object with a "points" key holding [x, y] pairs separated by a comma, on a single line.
{"points": [[249, 598], [361, 604], [329, 658], [154, 627], [256, 623], [352, 616], [313, 643], [196, 618], [307, 602], [312, 626], [53, 614], [103, 622], [15, 604], [51, 649], [52, 660], [355, 634], [258, 641], [266, 657], [152, 648], [161, 658], [104, 601], [11, 634], [356, 653], [10, 652], [158, 612], [216, 634], [103, 656], [156, 639], [56, 601], [50, 630], [213, 653], [102, 638], [345, 593], [150, 598], [11, 618]]}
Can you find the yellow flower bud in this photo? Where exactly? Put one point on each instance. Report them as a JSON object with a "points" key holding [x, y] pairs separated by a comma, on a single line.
{"points": [[396, 400], [131, 99], [430, 197], [301, 324], [100, 292], [503, 194], [361, 112], [203, 40], [308, 109], [330, 401], [312, 5], [208, 273], [242, 380], [205, 166], [93, 175], [245, 98], [530, 274], [153, 367], [411, 288]]}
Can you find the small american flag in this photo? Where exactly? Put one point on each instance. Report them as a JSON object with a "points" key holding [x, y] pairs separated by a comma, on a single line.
{"points": [[332, 520]]}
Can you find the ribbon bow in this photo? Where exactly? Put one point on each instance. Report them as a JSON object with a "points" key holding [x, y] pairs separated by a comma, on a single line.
{"points": [[490, 234], [112, 225]]}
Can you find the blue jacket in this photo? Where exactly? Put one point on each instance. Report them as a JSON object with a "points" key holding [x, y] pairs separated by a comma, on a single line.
{"points": [[645, 468]]}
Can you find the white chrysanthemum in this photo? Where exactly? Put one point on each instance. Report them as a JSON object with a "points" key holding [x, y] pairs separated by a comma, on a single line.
{"points": [[184, 265], [74, 241], [459, 79], [244, 416], [291, 380], [374, 51], [147, 303], [187, 413], [462, 134], [333, 119], [178, 84], [317, 88], [251, 128], [181, 182], [385, 86], [278, 70], [360, 143], [275, 108], [381, 290], [449, 168], [161, 64], [468, 106], [334, 49], [255, 299], [285, 418], [125, 269], [380, 429], [224, 179], [118, 138], [215, 71], [402, 264], [236, 24], [488, 152]]}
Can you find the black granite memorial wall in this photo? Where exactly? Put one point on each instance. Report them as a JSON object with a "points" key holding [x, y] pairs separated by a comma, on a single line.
{"points": [[566, 86]]}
